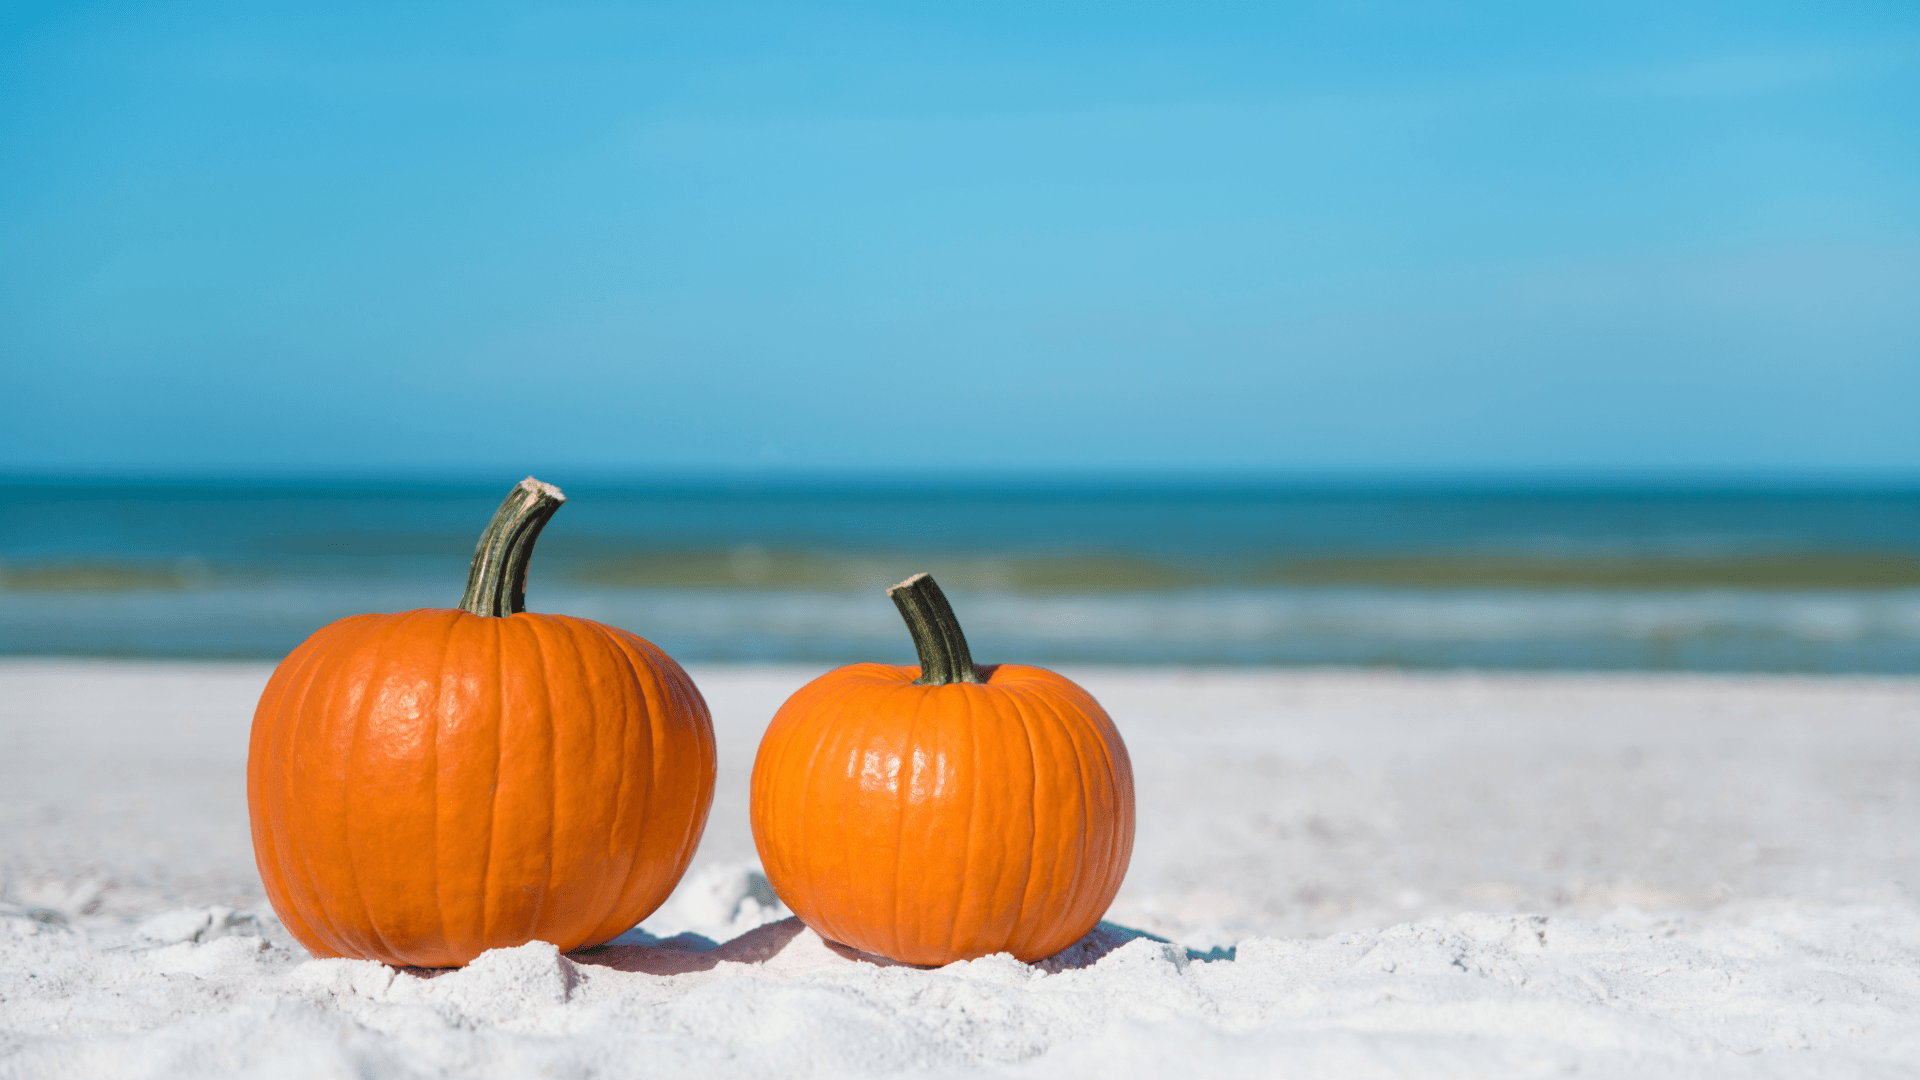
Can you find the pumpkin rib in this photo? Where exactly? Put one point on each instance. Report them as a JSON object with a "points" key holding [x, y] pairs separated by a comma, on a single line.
{"points": [[290, 859], [1079, 884], [662, 781], [832, 744], [586, 758], [1033, 817], [431, 718], [273, 734], [363, 709], [656, 754], [993, 784], [447, 880], [497, 725], [330, 688], [549, 776], [613, 832], [1119, 774], [857, 742], [804, 815], [419, 693], [622, 783], [1119, 766], [903, 802], [491, 720], [633, 879], [1093, 728], [971, 845], [264, 839], [555, 766], [1095, 753], [1020, 706]]}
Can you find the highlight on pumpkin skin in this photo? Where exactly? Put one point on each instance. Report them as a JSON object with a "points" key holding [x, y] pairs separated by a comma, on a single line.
{"points": [[944, 811], [427, 785]]}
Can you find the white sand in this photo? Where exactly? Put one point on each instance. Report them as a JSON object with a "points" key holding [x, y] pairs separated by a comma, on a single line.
{"points": [[1411, 875]]}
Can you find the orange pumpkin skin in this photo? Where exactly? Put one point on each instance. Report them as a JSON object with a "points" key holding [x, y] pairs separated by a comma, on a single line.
{"points": [[938, 823], [428, 785]]}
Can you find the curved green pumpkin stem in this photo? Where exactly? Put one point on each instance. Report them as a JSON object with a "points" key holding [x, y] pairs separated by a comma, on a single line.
{"points": [[497, 580], [944, 656]]}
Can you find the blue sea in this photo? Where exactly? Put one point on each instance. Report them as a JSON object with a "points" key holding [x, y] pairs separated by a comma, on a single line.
{"points": [[1486, 575]]}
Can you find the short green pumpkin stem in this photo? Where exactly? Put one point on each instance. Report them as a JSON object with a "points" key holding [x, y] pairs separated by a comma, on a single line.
{"points": [[497, 580], [944, 657]]}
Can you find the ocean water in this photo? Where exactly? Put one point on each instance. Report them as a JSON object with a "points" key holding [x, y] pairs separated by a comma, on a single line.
{"points": [[1481, 576]]}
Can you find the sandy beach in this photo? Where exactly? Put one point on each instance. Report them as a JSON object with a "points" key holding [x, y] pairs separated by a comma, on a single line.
{"points": [[1337, 874]]}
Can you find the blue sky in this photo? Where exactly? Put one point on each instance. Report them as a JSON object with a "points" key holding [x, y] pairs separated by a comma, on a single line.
{"points": [[1446, 237]]}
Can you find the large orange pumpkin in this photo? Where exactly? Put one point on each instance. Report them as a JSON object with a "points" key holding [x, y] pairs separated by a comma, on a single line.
{"points": [[944, 812], [428, 785]]}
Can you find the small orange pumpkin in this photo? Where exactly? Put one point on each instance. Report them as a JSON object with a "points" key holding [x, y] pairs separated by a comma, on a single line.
{"points": [[428, 785], [943, 812]]}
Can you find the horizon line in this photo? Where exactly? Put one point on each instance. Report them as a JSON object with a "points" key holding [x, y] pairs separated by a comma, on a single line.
{"points": [[971, 481]]}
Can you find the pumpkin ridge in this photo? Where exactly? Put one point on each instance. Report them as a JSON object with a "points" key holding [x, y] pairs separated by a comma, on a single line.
{"points": [[433, 773], [554, 769], [369, 694], [326, 673], [265, 734], [858, 740], [1078, 883], [991, 778], [624, 781], [499, 710], [644, 723], [622, 756], [327, 681], [1114, 758], [1096, 753], [827, 739], [301, 678], [598, 701], [653, 695], [661, 781], [1033, 817], [1101, 737], [903, 799], [321, 926], [650, 732], [466, 638], [820, 736], [1018, 704], [1119, 766], [1045, 719], [424, 717], [968, 846], [605, 717]]}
